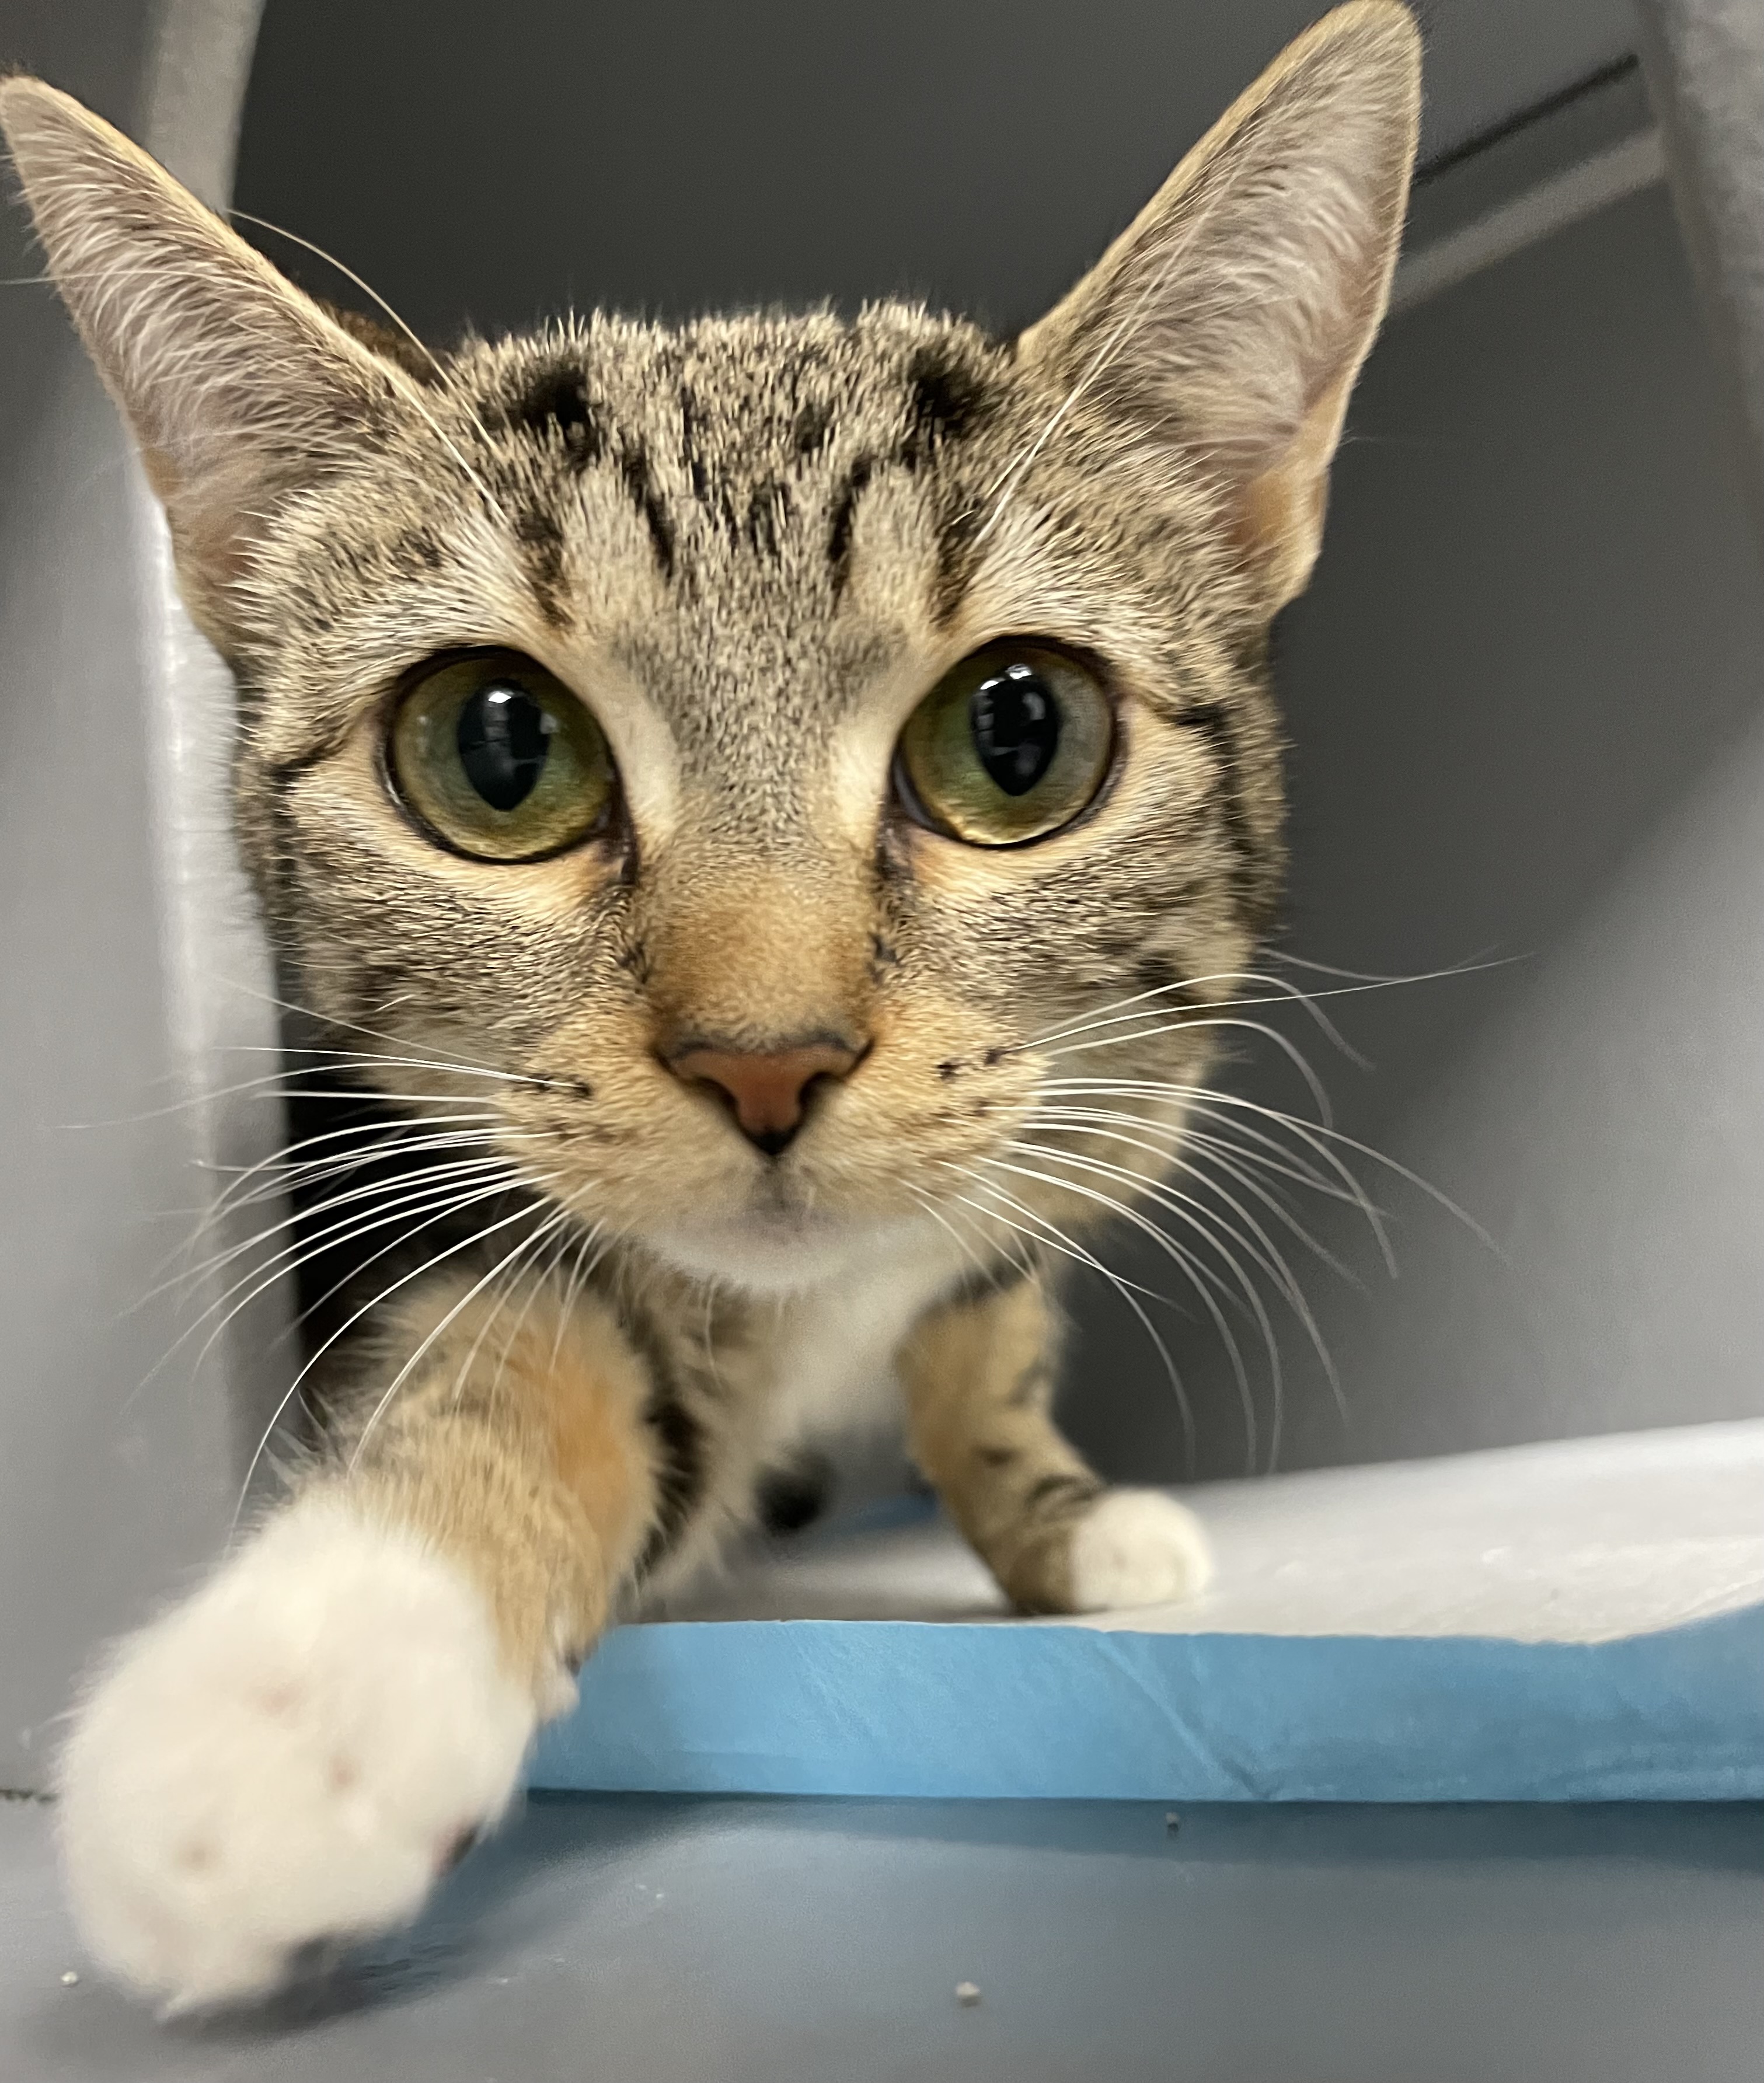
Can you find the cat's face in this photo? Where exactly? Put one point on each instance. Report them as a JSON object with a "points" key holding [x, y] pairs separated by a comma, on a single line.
{"points": [[874, 698], [752, 550]]}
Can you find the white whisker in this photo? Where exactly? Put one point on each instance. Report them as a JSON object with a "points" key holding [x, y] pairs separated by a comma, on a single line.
{"points": [[416, 1359], [1201, 1276], [1258, 1246], [446, 1060], [386, 1194], [1316, 1137], [416, 1273], [1286, 1046], [1071, 1249], [1315, 1133], [1282, 992], [967, 1251], [282, 1265], [1182, 1146], [285, 1180], [581, 1272], [556, 1230]]}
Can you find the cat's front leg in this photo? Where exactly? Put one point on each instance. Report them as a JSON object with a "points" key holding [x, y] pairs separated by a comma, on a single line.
{"points": [[296, 1753], [978, 1376]]}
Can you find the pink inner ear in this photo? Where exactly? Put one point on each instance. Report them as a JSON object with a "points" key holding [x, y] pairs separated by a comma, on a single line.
{"points": [[1281, 513]]}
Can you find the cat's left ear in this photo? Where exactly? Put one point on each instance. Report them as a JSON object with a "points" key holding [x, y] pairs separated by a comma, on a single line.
{"points": [[239, 389], [1230, 320]]}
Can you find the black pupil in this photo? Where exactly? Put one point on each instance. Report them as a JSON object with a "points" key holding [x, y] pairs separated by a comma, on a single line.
{"points": [[505, 738], [1016, 724]]}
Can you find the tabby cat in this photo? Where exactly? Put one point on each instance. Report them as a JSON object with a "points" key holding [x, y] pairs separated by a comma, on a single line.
{"points": [[711, 782]]}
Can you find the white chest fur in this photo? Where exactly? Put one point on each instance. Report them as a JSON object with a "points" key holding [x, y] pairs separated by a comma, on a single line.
{"points": [[832, 1366]]}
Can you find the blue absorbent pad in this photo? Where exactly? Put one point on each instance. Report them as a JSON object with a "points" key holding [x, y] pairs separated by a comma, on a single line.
{"points": [[1582, 1621]]}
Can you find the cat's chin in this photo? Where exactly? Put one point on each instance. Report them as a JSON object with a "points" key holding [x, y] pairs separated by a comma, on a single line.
{"points": [[778, 1252]]}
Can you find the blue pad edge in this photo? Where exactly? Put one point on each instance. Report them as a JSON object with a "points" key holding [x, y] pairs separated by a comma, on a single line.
{"points": [[939, 1710]]}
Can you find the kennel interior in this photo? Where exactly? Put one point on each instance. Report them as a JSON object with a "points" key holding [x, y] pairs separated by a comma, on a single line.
{"points": [[1524, 696]]}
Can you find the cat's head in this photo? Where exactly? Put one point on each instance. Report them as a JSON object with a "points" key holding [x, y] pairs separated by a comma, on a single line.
{"points": [[767, 745]]}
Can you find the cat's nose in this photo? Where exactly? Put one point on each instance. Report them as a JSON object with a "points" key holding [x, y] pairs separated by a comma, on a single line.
{"points": [[767, 1090]]}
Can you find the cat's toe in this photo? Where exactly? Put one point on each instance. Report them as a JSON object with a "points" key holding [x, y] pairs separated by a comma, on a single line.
{"points": [[290, 1759], [1137, 1548]]}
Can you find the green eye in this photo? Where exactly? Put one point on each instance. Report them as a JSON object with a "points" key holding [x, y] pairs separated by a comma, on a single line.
{"points": [[499, 760], [1010, 745]]}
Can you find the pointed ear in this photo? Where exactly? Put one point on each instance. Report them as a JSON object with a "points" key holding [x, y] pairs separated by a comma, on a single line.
{"points": [[239, 389], [1231, 318]]}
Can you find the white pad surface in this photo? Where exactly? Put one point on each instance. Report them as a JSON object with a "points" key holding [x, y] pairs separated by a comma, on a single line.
{"points": [[1576, 1540]]}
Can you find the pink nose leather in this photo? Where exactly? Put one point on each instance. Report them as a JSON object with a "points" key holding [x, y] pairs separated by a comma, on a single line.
{"points": [[767, 1091]]}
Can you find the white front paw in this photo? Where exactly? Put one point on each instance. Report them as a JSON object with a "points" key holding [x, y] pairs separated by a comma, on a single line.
{"points": [[291, 1756], [1137, 1548]]}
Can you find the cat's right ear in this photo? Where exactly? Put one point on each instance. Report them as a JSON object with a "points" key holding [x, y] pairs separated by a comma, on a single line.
{"points": [[1228, 323], [239, 389]]}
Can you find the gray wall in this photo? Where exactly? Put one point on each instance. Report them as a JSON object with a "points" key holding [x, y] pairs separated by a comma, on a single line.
{"points": [[119, 920], [490, 164]]}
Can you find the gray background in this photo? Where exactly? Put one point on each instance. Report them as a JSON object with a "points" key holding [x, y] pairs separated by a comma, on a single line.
{"points": [[978, 152]]}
